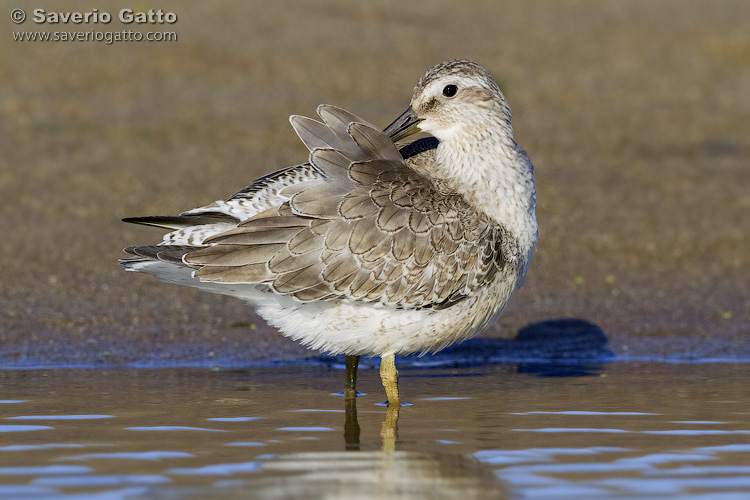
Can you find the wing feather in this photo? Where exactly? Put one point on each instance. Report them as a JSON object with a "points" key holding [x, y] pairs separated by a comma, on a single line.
{"points": [[364, 225]]}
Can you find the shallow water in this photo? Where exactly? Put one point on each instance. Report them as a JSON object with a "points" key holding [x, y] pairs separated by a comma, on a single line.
{"points": [[609, 430]]}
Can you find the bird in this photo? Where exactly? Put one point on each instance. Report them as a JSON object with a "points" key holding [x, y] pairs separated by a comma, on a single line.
{"points": [[375, 246]]}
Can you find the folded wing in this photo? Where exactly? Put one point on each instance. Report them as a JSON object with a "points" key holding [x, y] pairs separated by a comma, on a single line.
{"points": [[367, 228]]}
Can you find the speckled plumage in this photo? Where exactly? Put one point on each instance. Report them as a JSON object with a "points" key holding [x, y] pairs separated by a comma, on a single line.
{"points": [[368, 249]]}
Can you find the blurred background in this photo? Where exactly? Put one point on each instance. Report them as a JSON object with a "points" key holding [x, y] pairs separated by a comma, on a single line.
{"points": [[635, 115]]}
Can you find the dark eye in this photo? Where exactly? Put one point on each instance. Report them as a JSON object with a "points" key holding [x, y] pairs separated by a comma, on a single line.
{"points": [[450, 90]]}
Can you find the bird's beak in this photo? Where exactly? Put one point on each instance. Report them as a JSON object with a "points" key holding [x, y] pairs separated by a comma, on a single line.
{"points": [[403, 126]]}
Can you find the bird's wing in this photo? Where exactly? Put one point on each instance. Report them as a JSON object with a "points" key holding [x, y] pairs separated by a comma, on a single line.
{"points": [[262, 194], [368, 228], [194, 226]]}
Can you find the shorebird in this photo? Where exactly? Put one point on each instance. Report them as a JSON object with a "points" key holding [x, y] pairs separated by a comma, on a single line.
{"points": [[373, 247]]}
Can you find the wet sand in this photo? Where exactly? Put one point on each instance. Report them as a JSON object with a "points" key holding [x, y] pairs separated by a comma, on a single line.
{"points": [[635, 115]]}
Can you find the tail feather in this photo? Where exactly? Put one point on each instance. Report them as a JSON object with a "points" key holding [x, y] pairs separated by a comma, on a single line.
{"points": [[171, 254], [180, 221]]}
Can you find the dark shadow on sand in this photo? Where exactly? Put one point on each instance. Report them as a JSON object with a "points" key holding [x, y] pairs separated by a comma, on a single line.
{"points": [[558, 347]]}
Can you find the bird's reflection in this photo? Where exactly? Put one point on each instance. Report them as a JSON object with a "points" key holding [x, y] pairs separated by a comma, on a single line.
{"points": [[388, 430], [351, 424]]}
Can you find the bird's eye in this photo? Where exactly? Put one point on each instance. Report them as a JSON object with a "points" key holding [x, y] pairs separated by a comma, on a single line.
{"points": [[450, 90]]}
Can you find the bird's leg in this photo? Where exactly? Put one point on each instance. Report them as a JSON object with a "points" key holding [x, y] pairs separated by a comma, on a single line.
{"points": [[352, 364], [389, 378]]}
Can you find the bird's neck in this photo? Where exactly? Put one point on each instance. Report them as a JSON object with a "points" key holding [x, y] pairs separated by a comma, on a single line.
{"points": [[495, 176]]}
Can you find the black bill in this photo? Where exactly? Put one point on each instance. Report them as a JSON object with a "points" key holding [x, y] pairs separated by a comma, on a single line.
{"points": [[403, 126]]}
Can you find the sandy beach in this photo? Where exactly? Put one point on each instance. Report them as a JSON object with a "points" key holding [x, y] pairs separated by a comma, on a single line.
{"points": [[635, 115]]}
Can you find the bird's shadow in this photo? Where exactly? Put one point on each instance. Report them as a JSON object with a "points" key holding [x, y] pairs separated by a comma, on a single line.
{"points": [[558, 347]]}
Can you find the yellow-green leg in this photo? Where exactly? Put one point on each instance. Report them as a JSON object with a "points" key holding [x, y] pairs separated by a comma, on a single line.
{"points": [[352, 364], [389, 378]]}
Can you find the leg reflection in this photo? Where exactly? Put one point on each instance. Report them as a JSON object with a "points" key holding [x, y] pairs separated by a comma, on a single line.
{"points": [[351, 424], [389, 429]]}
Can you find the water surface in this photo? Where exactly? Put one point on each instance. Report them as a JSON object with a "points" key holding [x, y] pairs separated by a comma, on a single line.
{"points": [[611, 430]]}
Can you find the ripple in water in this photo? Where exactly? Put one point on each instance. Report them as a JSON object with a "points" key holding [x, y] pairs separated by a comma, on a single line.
{"points": [[216, 469], [24, 428], [233, 419], [132, 455], [172, 428], [60, 417]]}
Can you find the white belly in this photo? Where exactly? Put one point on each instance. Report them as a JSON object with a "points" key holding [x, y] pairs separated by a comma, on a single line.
{"points": [[346, 327], [374, 330]]}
